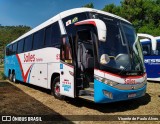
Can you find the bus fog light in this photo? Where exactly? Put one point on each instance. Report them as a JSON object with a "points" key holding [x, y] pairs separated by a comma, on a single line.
{"points": [[108, 94]]}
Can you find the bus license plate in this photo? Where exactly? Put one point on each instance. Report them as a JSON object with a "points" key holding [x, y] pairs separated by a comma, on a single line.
{"points": [[131, 95]]}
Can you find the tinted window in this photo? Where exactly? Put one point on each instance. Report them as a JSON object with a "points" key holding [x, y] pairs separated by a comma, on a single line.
{"points": [[158, 47], [55, 34], [20, 46], [28, 43], [7, 50], [15, 48], [70, 20], [66, 51], [48, 36], [52, 37], [146, 48], [38, 41], [10, 50]]}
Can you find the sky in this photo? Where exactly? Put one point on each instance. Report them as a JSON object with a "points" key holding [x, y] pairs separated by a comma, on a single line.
{"points": [[34, 12]]}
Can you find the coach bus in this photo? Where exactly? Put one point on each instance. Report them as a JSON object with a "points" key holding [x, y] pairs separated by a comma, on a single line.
{"points": [[81, 52], [151, 52]]}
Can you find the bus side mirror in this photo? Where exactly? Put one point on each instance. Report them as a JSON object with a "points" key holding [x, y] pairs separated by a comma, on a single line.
{"points": [[104, 59], [99, 24]]}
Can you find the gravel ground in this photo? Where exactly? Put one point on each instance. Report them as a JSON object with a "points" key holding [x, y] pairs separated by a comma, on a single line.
{"points": [[26, 99]]}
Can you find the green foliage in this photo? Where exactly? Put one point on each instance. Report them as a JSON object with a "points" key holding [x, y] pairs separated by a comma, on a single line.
{"points": [[89, 5], [112, 9], [143, 14], [9, 34]]}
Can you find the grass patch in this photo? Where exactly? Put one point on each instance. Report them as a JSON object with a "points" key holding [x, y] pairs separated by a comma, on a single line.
{"points": [[1, 66], [2, 76]]}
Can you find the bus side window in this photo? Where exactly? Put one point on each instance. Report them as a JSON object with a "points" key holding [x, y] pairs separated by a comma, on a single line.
{"points": [[48, 36], [55, 39], [38, 40], [7, 51], [146, 49], [66, 54], [28, 43], [15, 48], [158, 48], [20, 46], [52, 35], [10, 50]]}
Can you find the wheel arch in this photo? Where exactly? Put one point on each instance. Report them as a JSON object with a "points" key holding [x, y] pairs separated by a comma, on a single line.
{"points": [[54, 75]]}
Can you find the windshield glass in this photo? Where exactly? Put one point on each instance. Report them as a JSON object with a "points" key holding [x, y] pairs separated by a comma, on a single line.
{"points": [[122, 48], [134, 47]]}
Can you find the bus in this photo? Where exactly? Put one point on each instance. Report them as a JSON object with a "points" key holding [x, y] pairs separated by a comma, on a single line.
{"points": [[82, 52], [151, 52]]}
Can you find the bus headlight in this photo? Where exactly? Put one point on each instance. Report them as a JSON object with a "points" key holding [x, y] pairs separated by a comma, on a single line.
{"points": [[106, 81]]}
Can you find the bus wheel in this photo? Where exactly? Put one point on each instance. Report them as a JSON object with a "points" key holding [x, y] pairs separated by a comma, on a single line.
{"points": [[55, 89], [10, 77], [14, 77]]}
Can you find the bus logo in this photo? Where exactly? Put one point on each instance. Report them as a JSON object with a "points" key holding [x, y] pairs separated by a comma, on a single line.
{"points": [[130, 81], [29, 57]]}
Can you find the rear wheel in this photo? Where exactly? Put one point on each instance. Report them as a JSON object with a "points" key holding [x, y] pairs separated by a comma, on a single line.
{"points": [[55, 89], [14, 77], [10, 77]]}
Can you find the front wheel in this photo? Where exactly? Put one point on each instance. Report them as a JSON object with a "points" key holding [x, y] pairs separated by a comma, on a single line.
{"points": [[55, 89]]}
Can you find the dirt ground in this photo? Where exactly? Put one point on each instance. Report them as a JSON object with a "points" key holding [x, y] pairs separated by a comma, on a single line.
{"points": [[23, 99]]}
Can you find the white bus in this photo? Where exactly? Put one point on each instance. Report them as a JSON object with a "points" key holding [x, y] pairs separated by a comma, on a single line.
{"points": [[81, 52]]}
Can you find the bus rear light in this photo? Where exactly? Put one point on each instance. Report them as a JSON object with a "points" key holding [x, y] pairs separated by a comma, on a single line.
{"points": [[108, 94]]}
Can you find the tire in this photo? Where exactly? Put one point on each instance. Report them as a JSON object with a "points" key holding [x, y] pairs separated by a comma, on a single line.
{"points": [[55, 89], [14, 78], [10, 77]]}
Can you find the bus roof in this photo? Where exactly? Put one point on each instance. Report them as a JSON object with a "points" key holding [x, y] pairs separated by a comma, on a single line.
{"points": [[158, 37], [149, 40], [63, 15]]}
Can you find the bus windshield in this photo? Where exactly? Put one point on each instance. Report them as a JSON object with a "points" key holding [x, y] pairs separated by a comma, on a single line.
{"points": [[121, 46]]}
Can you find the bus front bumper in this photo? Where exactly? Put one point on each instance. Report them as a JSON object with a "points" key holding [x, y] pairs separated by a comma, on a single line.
{"points": [[104, 93]]}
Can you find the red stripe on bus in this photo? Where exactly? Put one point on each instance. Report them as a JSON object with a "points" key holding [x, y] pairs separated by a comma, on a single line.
{"points": [[135, 77], [23, 75], [85, 22]]}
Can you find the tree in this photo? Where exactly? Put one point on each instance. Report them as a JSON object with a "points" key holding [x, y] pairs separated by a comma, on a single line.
{"points": [[112, 8], [89, 5], [9, 34], [143, 14]]}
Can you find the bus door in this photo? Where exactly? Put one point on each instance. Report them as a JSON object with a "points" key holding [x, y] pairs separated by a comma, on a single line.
{"points": [[85, 56], [67, 68]]}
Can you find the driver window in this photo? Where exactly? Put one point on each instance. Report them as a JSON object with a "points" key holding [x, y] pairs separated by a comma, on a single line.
{"points": [[66, 51]]}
